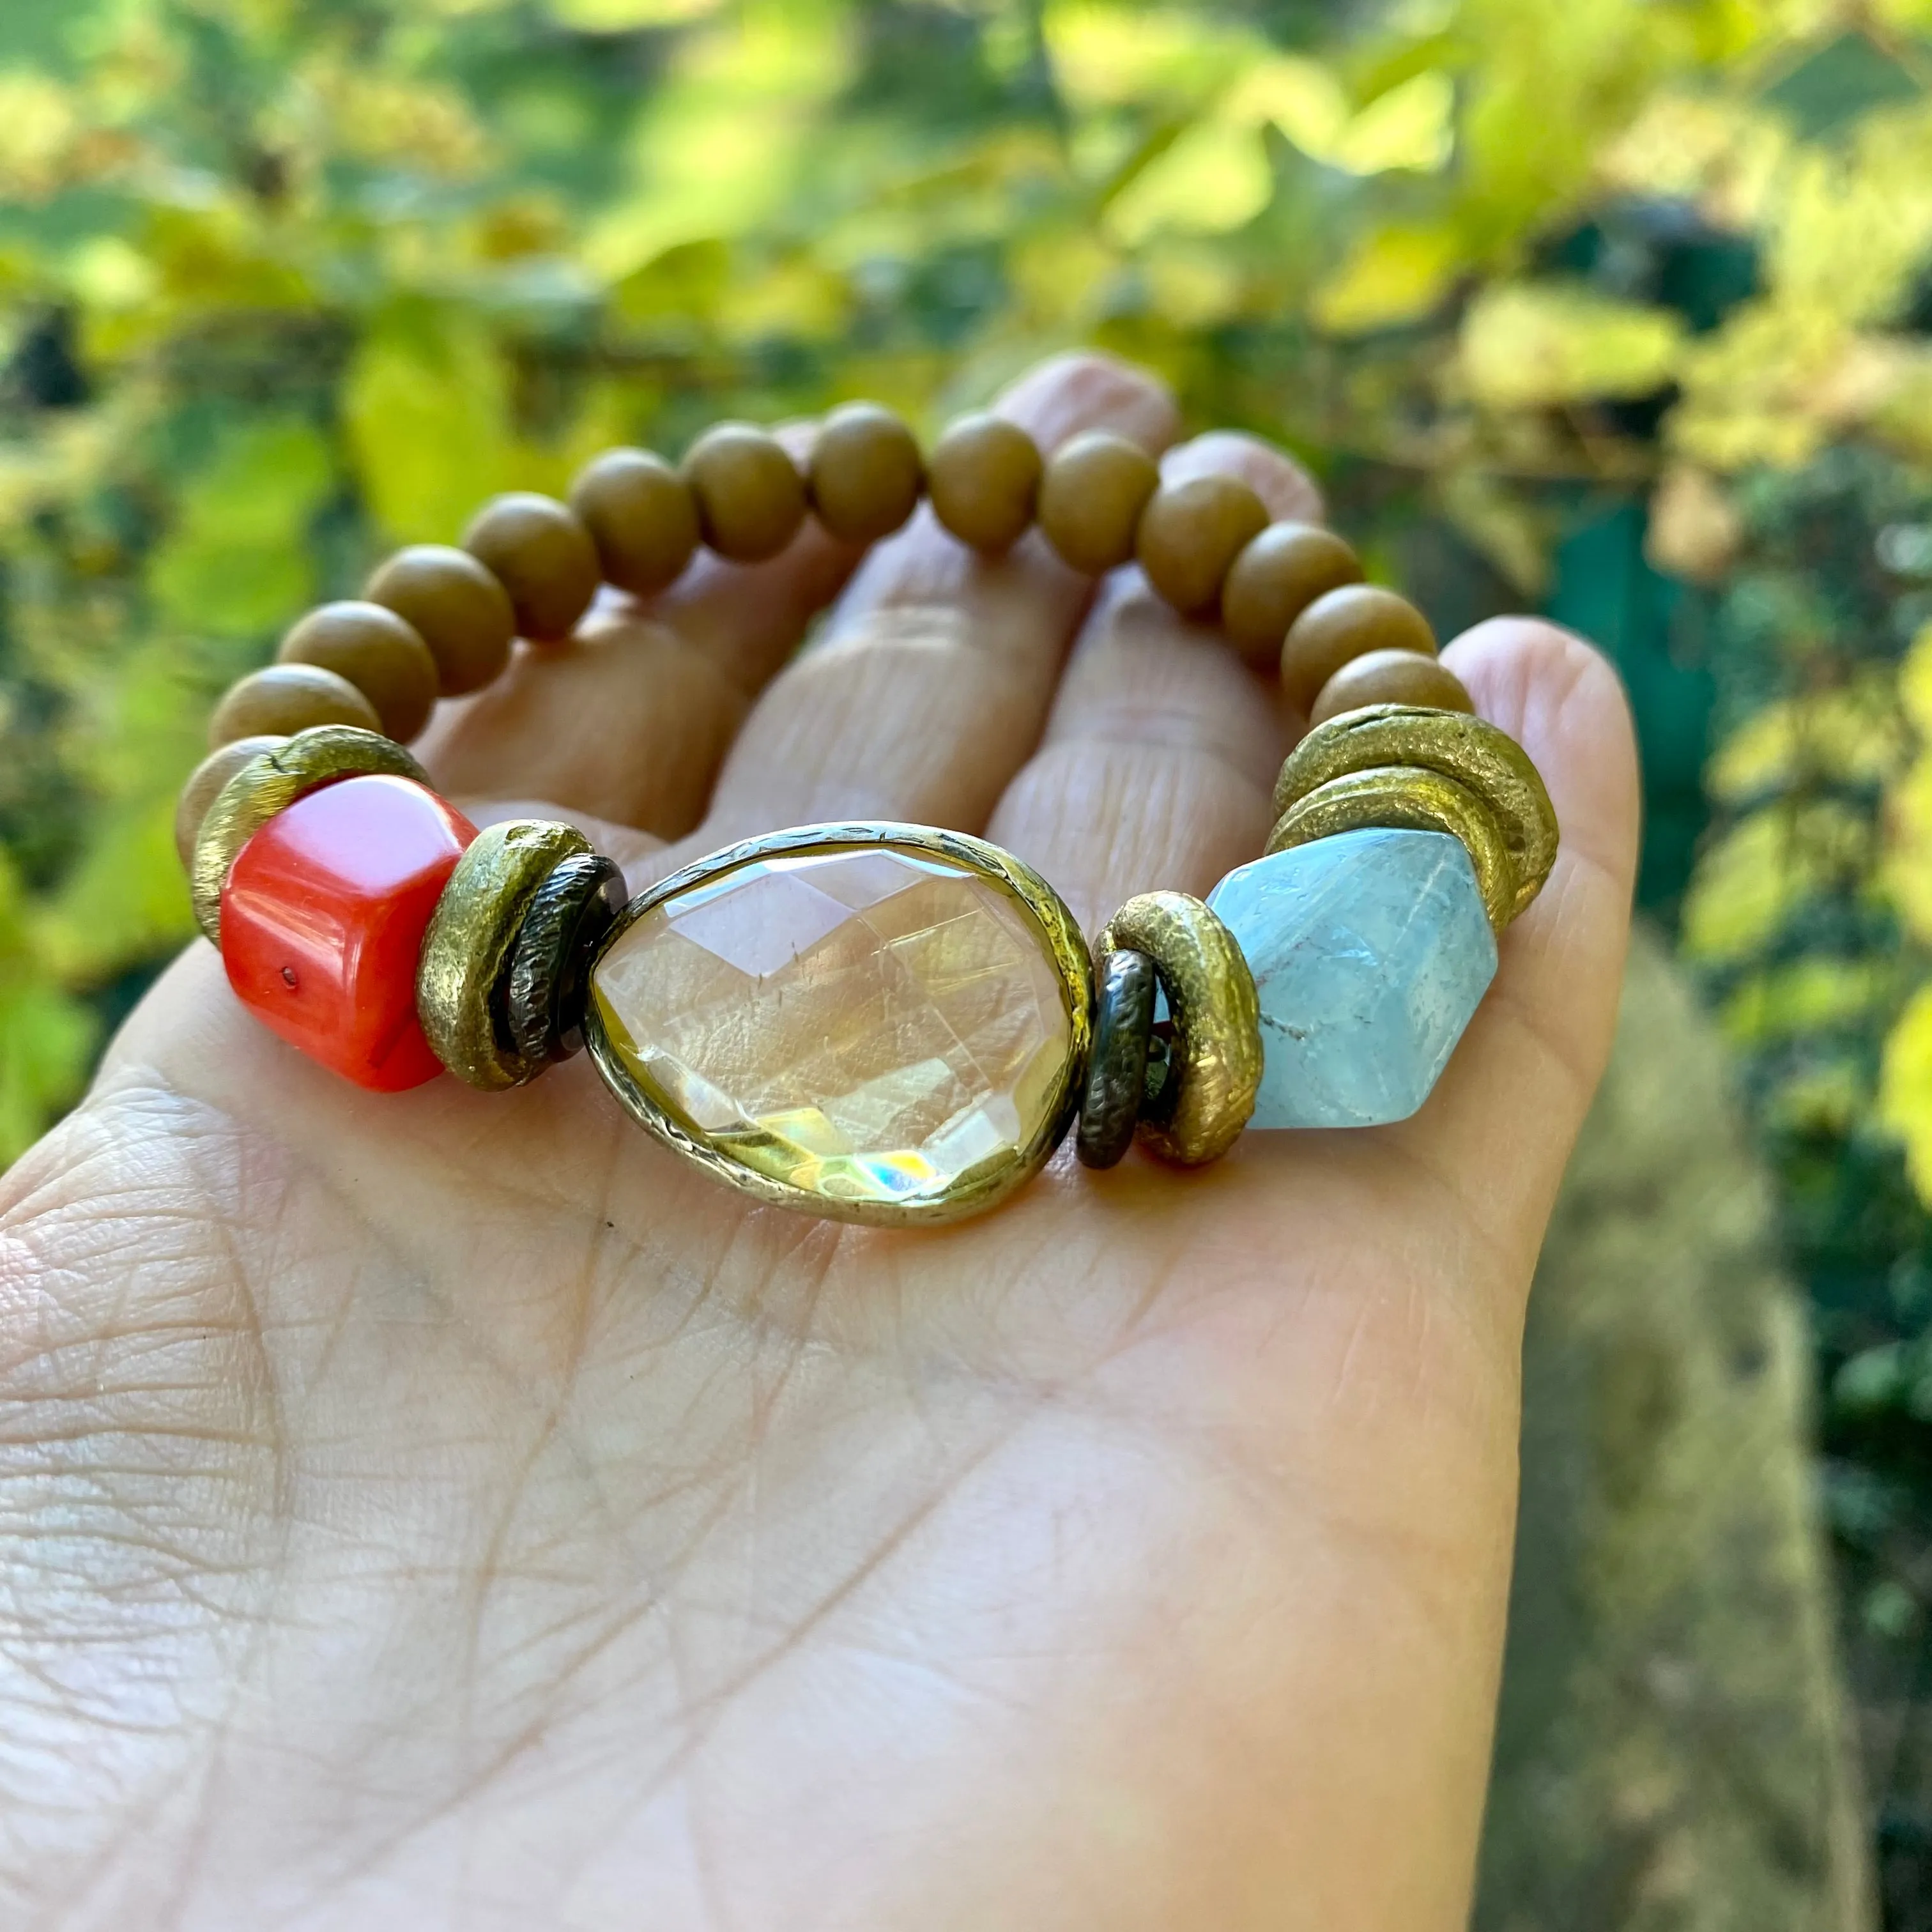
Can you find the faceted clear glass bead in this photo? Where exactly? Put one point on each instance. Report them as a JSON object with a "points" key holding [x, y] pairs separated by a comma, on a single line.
{"points": [[869, 1024], [1371, 950]]}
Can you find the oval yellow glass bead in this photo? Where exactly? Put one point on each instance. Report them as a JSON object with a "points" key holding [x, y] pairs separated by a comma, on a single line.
{"points": [[876, 1023], [1214, 1059]]}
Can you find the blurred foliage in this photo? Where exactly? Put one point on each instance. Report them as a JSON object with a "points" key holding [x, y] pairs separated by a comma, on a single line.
{"points": [[1619, 305]]}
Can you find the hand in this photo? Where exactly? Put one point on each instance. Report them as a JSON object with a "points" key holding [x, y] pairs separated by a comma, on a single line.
{"points": [[450, 1510]]}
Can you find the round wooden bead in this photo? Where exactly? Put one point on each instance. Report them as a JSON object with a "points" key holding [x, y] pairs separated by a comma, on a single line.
{"points": [[542, 555], [204, 782], [983, 478], [1390, 677], [1343, 625], [1091, 495], [379, 652], [1190, 534], [281, 699], [1276, 578], [456, 605], [749, 496], [640, 515], [866, 473], [1117, 1070]]}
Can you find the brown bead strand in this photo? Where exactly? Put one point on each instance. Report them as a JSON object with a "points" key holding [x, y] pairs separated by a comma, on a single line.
{"points": [[1390, 677], [1275, 579], [1091, 495], [865, 474], [542, 555], [456, 605], [1190, 534], [1345, 624], [379, 652], [749, 496], [983, 479], [640, 516], [434, 619], [281, 699]]}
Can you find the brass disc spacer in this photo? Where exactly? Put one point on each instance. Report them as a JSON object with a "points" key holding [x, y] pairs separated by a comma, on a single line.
{"points": [[1215, 1059], [472, 933], [1412, 798], [266, 784], [1478, 757]]}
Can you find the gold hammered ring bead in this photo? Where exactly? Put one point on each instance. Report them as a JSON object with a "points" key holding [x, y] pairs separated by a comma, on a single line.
{"points": [[1411, 798], [1214, 1060], [266, 784], [1474, 753], [471, 934]]}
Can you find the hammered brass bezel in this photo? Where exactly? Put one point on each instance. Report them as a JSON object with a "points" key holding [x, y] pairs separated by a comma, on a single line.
{"points": [[471, 934], [1214, 1060], [981, 1187], [1486, 761], [1409, 798], [272, 782]]}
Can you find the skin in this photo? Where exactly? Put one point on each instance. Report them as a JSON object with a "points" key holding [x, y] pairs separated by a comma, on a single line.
{"points": [[446, 1510]]}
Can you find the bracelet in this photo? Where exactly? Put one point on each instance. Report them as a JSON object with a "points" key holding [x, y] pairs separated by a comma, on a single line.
{"points": [[881, 1023]]}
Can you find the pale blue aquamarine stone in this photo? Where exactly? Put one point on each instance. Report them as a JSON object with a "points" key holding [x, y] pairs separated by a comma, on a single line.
{"points": [[1370, 951]]}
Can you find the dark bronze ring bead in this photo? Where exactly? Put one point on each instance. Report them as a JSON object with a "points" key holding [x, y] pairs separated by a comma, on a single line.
{"points": [[1116, 1073], [542, 1016]]}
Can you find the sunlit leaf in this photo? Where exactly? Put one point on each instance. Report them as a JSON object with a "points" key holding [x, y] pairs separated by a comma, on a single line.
{"points": [[1749, 881], [718, 148], [1851, 735], [1905, 1087], [1214, 178], [621, 17], [1394, 275], [426, 406], [1530, 344], [235, 561]]}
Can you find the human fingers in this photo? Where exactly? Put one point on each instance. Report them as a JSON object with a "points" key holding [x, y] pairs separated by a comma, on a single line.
{"points": [[1499, 1127], [630, 719], [1161, 751], [928, 688]]}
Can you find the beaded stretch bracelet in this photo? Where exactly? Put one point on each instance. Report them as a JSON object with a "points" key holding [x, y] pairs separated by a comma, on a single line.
{"points": [[880, 1023]]}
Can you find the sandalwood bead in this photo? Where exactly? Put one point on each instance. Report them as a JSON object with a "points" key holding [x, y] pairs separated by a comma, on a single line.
{"points": [[983, 478], [282, 699], [1344, 624], [1276, 578], [1390, 677], [379, 652], [1191, 532], [865, 474], [1091, 495], [204, 782], [639, 513], [542, 555], [456, 605], [749, 496]]}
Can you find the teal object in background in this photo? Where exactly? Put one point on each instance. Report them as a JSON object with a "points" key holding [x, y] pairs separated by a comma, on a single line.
{"points": [[1370, 951], [1653, 629]]}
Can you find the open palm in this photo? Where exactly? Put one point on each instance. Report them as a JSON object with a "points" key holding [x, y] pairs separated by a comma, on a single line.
{"points": [[445, 1511]]}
